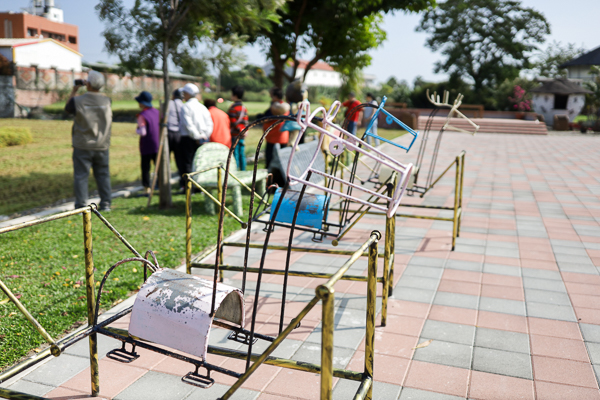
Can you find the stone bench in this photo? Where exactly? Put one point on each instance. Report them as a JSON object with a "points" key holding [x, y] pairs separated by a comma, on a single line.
{"points": [[212, 154]]}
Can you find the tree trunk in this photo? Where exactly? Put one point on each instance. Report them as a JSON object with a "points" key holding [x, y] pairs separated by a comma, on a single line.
{"points": [[165, 164]]}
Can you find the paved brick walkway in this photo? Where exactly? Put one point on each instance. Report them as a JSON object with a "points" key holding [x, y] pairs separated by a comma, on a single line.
{"points": [[512, 313]]}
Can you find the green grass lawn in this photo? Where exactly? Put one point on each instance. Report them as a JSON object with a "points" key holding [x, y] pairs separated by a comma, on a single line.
{"points": [[132, 105], [41, 173], [44, 264]]}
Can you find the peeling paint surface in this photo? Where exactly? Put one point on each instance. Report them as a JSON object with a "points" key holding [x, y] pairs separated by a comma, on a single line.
{"points": [[173, 309]]}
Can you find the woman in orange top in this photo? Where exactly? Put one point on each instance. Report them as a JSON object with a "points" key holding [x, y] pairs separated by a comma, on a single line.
{"points": [[220, 133]]}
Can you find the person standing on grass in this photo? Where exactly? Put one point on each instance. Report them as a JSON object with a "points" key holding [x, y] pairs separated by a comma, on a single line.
{"points": [[221, 133], [238, 121], [367, 115], [354, 118], [148, 127], [276, 136], [173, 121], [195, 128], [91, 139]]}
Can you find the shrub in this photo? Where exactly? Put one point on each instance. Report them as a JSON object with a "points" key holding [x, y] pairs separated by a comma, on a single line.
{"points": [[14, 136]]}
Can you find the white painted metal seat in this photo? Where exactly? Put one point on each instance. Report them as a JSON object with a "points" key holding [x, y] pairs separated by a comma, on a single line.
{"points": [[173, 309]]}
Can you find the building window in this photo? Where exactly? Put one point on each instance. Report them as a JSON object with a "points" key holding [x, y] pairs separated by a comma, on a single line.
{"points": [[55, 36], [8, 31], [560, 101], [32, 32], [72, 39]]}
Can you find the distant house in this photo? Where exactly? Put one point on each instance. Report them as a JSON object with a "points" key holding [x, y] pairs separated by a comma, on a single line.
{"points": [[41, 54], [579, 68], [558, 97], [320, 74]]}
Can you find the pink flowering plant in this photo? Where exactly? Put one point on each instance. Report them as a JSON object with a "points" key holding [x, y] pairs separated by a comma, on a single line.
{"points": [[519, 102]]}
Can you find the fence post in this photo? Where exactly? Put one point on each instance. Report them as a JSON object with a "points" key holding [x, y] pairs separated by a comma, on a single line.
{"points": [[371, 312], [222, 201], [90, 287], [388, 257], [327, 296], [456, 201], [188, 225]]}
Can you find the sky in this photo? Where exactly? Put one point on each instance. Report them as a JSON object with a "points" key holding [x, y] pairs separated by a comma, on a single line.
{"points": [[403, 55]]}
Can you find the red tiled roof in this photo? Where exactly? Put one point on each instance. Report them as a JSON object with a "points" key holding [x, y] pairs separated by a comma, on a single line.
{"points": [[320, 65]]}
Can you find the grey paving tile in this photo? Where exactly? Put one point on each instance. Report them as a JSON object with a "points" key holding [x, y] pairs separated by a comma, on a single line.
{"points": [[502, 362], [156, 385], [502, 340], [346, 389], [448, 332], [82, 348], [473, 229], [418, 282], [472, 242], [59, 370], [591, 246], [568, 250], [566, 243], [32, 388], [467, 248], [416, 394], [501, 252], [548, 297], [590, 333], [575, 259], [544, 284], [456, 300], [534, 233], [504, 245], [421, 270], [550, 311], [218, 390], [593, 352], [502, 306], [355, 301], [445, 353], [410, 294], [541, 273], [311, 353], [286, 349], [344, 336], [464, 265], [499, 269], [427, 261], [577, 268], [503, 232], [350, 317]]}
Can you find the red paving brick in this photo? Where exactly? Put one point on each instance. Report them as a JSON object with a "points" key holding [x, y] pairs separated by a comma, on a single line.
{"points": [[564, 371]]}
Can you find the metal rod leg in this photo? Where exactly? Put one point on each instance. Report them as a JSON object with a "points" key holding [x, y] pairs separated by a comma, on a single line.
{"points": [[327, 296], [456, 194], [188, 226], [91, 300], [371, 312]]}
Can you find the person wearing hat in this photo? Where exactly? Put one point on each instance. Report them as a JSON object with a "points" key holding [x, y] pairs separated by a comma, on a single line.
{"points": [[148, 127], [276, 135], [195, 126], [91, 139], [173, 122]]}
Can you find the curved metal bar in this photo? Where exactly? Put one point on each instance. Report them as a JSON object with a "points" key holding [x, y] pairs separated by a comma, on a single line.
{"points": [[289, 253], [106, 275]]}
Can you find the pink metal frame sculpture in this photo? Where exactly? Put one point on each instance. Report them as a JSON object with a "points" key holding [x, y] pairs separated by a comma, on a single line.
{"points": [[346, 140]]}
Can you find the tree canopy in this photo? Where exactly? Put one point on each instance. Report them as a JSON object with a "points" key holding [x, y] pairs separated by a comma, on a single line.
{"points": [[338, 32], [484, 41], [549, 60]]}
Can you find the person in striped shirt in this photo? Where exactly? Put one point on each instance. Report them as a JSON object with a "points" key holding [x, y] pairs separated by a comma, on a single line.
{"points": [[238, 121]]}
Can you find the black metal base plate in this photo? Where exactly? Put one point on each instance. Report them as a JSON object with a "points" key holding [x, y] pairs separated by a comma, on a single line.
{"points": [[241, 337], [123, 355], [195, 379]]}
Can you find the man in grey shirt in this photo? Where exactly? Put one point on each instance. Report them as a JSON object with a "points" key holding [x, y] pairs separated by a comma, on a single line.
{"points": [[91, 139]]}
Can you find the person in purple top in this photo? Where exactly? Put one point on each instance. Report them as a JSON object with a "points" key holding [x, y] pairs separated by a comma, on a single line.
{"points": [[148, 127]]}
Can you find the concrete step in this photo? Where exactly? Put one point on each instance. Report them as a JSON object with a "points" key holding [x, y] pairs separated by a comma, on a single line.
{"points": [[490, 125]]}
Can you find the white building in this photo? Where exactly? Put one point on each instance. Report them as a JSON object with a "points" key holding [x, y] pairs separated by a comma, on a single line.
{"points": [[320, 74], [579, 68], [41, 53], [558, 97]]}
